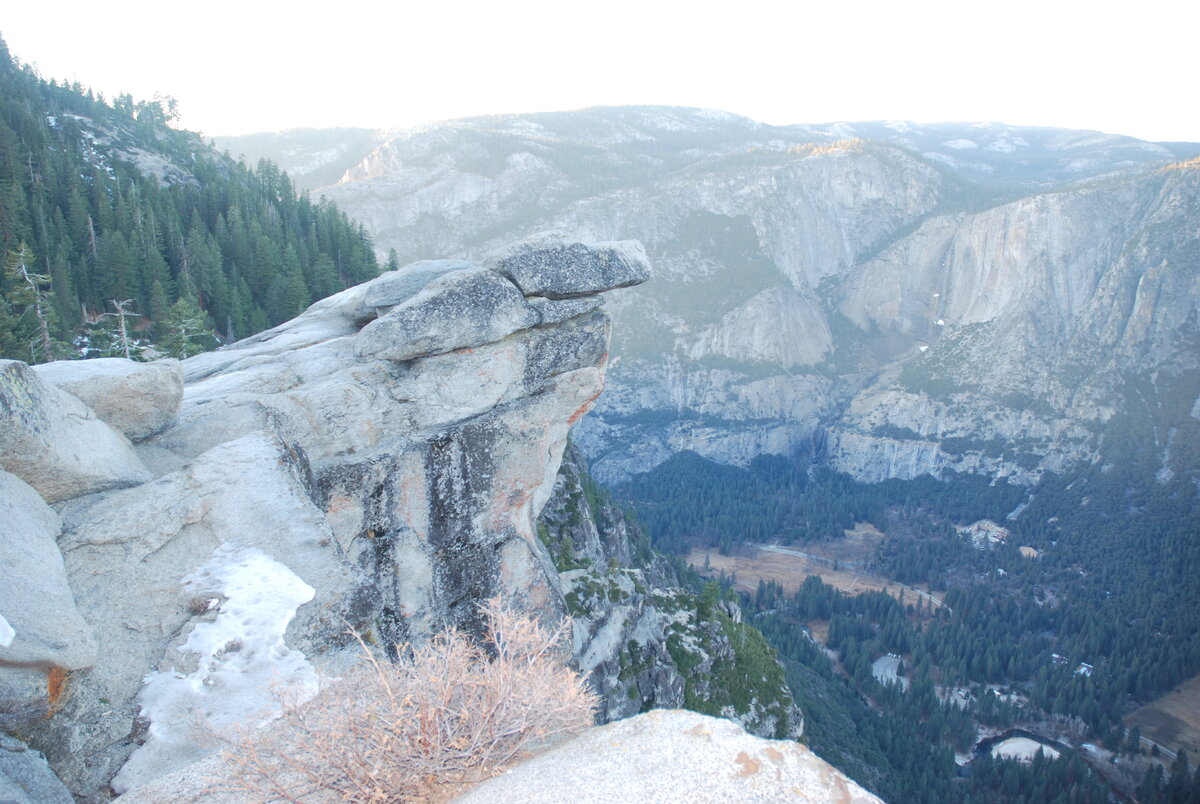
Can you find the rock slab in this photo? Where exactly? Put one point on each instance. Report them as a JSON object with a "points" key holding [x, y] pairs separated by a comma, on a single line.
{"points": [[551, 266], [26, 778], [56, 443], [139, 399], [48, 637], [460, 309], [670, 756]]}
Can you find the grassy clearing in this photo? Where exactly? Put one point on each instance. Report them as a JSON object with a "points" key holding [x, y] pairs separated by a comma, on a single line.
{"points": [[1173, 721]]}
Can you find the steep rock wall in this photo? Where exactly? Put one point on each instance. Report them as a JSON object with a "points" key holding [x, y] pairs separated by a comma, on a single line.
{"points": [[643, 641]]}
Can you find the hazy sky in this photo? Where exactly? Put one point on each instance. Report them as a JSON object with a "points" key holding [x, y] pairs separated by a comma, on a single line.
{"points": [[250, 66]]}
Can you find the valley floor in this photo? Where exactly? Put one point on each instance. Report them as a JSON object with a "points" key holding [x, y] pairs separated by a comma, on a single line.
{"points": [[1173, 721], [839, 564]]}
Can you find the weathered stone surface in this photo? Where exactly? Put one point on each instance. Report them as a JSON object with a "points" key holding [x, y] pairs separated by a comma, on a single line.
{"points": [[139, 399], [26, 778], [433, 523], [553, 266], [205, 782], [670, 755], [553, 311], [127, 552], [49, 637], [322, 399], [401, 486], [397, 287], [458, 310], [56, 443]]}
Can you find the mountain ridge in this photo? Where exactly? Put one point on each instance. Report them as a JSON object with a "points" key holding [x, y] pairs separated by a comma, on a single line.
{"points": [[944, 140], [802, 274]]}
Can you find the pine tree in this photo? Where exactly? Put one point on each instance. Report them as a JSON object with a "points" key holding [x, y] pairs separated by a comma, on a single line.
{"points": [[123, 344], [103, 230], [30, 296], [186, 331]]}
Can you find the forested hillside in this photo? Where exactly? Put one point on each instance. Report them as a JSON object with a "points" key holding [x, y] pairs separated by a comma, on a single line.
{"points": [[1083, 613], [104, 203]]}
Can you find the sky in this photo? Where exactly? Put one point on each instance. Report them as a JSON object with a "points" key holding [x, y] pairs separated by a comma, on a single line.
{"points": [[260, 65]]}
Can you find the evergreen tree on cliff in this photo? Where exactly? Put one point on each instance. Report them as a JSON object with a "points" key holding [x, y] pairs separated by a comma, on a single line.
{"points": [[110, 202]]}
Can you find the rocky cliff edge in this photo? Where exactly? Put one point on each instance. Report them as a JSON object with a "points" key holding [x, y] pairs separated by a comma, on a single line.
{"points": [[185, 544], [377, 462]]}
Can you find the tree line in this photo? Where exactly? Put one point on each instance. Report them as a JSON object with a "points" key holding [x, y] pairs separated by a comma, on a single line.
{"points": [[111, 220]]}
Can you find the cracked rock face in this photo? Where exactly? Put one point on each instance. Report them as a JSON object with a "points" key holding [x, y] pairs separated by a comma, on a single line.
{"points": [[391, 446]]}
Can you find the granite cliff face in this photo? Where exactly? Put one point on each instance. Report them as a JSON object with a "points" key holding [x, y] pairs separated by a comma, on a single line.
{"points": [[645, 642], [378, 461], [896, 299]]}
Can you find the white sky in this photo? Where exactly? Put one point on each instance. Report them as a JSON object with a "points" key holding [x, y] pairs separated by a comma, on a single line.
{"points": [[259, 65]]}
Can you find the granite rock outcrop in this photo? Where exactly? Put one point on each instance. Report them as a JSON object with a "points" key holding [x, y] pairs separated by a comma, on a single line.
{"points": [[383, 456], [56, 443], [670, 755]]}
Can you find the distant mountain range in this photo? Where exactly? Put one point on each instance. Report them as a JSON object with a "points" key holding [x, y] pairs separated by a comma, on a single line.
{"points": [[893, 298], [990, 153]]}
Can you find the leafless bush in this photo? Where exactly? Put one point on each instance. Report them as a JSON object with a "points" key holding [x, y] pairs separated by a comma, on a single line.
{"points": [[450, 714]]}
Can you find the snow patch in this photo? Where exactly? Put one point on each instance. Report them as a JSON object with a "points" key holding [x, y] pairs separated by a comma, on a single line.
{"points": [[315, 160], [719, 116], [1022, 749], [245, 670], [945, 159], [961, 144], [664, 122], [7, 634]]}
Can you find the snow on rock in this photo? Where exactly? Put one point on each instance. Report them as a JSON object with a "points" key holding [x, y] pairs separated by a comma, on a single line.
{"points": [[246, 671], [7, 634]]}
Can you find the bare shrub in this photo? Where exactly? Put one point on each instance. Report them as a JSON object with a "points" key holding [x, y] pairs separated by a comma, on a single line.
{"points": [[452, 713]]}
